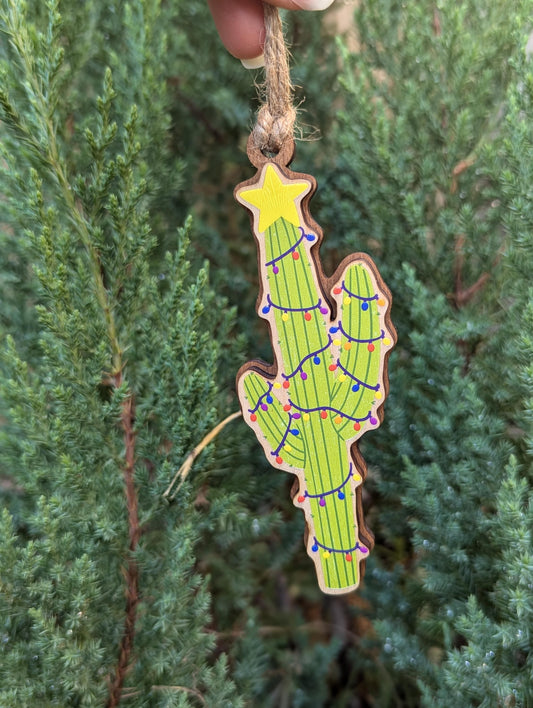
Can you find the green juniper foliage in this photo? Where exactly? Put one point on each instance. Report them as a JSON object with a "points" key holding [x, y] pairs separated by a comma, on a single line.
{"points": [[118, 347], [118, 381], [436, 159]]}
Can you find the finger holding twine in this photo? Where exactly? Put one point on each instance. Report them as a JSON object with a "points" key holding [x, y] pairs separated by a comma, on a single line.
{"points": [[276, 117]]}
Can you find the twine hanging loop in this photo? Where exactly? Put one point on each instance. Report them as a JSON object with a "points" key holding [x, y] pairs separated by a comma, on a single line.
{"points": [[273, 132]]}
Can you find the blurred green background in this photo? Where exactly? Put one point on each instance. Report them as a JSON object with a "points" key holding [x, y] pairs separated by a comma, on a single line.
{"points": [[127, 287]]}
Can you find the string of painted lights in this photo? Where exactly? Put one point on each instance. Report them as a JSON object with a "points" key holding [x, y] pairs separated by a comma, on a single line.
{"points": [[358, 382], [328, 550], [336, 342], [285, 308], [365, 298], [264, 406], [292, 431], [370, 341], [292, 249], [323, 410], [321, 496], [316, 360]]}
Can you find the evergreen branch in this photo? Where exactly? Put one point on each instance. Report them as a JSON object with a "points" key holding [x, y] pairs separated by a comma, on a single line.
{"points": [[132, 570], [41, 92], [82, 228], [58, 168], [41, 97]]}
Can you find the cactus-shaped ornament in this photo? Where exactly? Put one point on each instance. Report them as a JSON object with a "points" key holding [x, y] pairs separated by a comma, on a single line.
{"points": [[331, 339]]}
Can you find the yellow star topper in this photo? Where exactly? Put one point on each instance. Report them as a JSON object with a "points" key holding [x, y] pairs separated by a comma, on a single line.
{"points": [[274, 199]]}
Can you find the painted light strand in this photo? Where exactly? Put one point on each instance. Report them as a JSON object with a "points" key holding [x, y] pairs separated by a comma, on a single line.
{"points": [[365, 299], [286, 308], [289, 429], [335, 490], [370, 340], [323, 413], [345, 551], [266, 396], [313, 355], [358, 381], [292, 249]]}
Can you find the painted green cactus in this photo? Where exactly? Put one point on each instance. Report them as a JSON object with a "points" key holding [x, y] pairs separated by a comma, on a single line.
{"points": [[331, 338]]}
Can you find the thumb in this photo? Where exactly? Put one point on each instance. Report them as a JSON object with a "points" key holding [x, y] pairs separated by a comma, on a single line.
{"points": [[240, 24]]}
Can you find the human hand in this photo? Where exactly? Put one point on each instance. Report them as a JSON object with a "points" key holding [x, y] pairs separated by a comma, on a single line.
{"points": [[241, 25]]}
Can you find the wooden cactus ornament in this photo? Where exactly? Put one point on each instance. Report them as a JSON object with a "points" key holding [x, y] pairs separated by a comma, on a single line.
{"points": [[331, 339]]}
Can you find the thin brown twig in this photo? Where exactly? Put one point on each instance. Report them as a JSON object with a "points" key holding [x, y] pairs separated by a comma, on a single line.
{"points": [[462, 295], [185, 689], [317, 627], [184, 470], [132, 568], [133, 693]]}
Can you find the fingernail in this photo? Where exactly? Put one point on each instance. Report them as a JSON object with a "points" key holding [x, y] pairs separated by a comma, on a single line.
{"points": [[316, 4], [255, 63]]}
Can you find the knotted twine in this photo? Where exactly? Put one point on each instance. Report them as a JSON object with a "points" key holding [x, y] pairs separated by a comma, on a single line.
{"points": [[276, 117]]}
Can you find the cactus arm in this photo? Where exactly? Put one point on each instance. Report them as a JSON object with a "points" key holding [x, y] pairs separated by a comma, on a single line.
{"points": [[272, 424], [331, 339], [364, 338]]}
